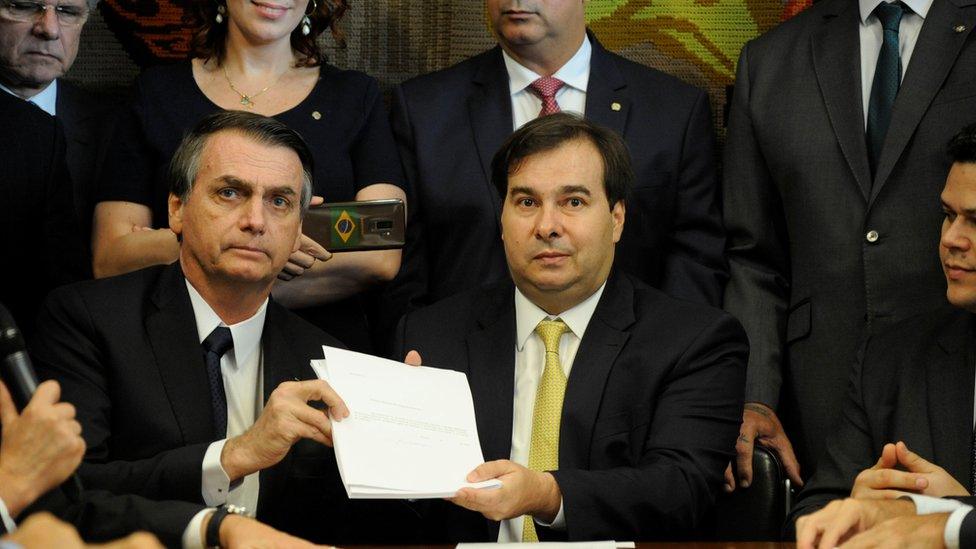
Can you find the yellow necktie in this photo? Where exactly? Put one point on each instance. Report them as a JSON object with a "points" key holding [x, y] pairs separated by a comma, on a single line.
{"points": [[544, 447]]}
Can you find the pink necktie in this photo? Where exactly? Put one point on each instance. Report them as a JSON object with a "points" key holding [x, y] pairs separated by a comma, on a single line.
{"points": [[546, 88]]}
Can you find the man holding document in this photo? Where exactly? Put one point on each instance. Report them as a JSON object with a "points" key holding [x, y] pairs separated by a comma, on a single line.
{"points": [[189, 382], [606, 409]]}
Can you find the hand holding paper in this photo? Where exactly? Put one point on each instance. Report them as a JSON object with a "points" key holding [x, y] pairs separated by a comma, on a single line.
{"points": [[523, 492], [411, 432]]}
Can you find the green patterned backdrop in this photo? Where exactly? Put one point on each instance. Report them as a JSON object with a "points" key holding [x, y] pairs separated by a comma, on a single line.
{"points": [[696, 40]]}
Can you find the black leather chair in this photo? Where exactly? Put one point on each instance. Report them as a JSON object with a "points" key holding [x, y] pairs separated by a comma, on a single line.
{"points": [[756, 513]]}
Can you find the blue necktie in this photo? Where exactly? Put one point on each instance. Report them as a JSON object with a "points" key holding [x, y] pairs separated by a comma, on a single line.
{"points": [[887, 79], [217, 343]]}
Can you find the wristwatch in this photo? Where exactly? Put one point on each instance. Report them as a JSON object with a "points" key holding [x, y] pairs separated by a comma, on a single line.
{"points": [[212, 540]]}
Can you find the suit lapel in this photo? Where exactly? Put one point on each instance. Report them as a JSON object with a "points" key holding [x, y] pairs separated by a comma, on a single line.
{"points": [[280, 363], [935, 53], [838, 69], [491, 371], [604, 338], [950, 374], [606, 103], [490, 109], [172, 333]]}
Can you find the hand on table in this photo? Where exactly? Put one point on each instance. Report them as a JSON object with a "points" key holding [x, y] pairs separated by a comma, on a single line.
{"points": [[842, 519]]}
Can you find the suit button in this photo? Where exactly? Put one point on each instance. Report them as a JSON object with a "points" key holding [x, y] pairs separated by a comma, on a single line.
{"points": [[872, 236]]}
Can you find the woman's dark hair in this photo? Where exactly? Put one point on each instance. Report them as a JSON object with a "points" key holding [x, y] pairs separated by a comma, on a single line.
{"points": [[209, 37]]}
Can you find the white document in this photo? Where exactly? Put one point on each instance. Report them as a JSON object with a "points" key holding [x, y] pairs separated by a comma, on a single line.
{"points": [[411, 431]]}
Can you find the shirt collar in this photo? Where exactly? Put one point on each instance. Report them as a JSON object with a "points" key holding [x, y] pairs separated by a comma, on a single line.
{"points": [[920, 7], [47, 100], [528, 315], [245, 334], [575, 73]]}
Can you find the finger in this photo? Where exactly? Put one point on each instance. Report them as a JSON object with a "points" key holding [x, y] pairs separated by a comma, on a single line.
{"points": [[472, 499], [319, 389], [729, 479], [317, 419], [47, 393], [63, 410], [791, 465], [808, 529], [888, 459], [314, 249], [293, 269], [285, 276], [743, 457], [490, 470], [912, 461], [413, 358], [893, 479], [302, 259], [8, 412], [839, 529], [316, 201]]}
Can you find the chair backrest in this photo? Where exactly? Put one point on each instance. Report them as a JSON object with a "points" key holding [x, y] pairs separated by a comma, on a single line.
{"points": [[756, 513]]}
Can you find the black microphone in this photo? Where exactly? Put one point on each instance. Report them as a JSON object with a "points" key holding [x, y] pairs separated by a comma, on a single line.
{"points": [[16, 370], [18, 375]]}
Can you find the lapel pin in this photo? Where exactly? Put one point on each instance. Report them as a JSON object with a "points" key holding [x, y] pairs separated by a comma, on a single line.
{"points": [[959, 28], [615, 106], [316, 115]]}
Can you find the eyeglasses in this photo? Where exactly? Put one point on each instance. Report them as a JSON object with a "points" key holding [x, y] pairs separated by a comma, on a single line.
{"points": [[27, 11]]}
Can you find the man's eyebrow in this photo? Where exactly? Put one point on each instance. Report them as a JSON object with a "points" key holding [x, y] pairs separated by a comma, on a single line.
{"points": [[521, 190], [575, 189], [234, 181]]}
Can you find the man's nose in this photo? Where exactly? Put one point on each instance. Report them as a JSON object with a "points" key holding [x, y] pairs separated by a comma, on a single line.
{"points": [[548, 224], [253, 216], [47, 25]]}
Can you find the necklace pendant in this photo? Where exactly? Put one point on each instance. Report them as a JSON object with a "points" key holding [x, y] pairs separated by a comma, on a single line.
{"points": [[246, 101]]}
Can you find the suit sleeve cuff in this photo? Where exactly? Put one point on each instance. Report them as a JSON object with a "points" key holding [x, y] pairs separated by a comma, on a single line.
{"points": [[192, 539], [216, 483], [558, 523], [9, 525]]}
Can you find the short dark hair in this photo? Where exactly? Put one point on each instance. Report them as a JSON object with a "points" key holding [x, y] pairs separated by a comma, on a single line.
{"points": [[547, 133], [209, 37], [962, 146], [185, 164]]}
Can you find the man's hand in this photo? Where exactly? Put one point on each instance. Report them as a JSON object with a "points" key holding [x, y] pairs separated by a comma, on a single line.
{"points": [[413, 359], [882, 480], [761, 426], [842, 519], [523, 492], [43, 530], [40, 447], [237, 532], [286, 418], [917, 532]]}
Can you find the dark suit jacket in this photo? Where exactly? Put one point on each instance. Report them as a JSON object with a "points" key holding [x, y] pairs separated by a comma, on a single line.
{"points": [[87, 121], [914, 383], [800, 200], [38, 234], [126, 353], [649, 419], [450, 123]]}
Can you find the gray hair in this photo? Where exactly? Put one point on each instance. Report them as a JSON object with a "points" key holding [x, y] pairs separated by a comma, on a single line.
{"points": [[185, 164]]}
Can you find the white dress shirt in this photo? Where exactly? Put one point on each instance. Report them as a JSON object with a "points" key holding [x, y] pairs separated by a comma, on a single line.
{"points": [[571, 97], [872, 36], [530, 352], [47, 99], [927, 505], [241, 368], [9, 524]]}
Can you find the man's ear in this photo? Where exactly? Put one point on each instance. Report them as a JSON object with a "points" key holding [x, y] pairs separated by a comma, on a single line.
{"points": [[617, 214], [298, 239], [175, 207]]}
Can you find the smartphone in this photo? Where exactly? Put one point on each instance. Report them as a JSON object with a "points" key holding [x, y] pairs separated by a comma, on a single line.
{"points": [[357, 226]]}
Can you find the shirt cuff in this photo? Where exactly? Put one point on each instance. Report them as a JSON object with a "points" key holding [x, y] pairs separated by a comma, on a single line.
{"points": [[216, 483], [953, 526], [558, 523], [192, 538], [928, 505], [8, 521]]}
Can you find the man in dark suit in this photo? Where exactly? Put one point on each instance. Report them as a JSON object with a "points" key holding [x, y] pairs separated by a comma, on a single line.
{"points": [[186, 377], [37, 48], [833, 163], [606, 408], [39, 239], [914, 384], [449, 124]]}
